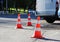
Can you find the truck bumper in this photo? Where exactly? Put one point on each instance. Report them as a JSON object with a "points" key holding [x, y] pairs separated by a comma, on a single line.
{"points": [[45, 13]]}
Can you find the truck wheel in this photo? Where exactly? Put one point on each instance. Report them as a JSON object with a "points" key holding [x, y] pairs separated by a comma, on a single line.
{"points": [[50, 19]]}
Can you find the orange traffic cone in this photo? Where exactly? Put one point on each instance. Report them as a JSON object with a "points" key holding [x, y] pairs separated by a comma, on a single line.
{"points": [[38, 33], [29, 21], [19, 25]]}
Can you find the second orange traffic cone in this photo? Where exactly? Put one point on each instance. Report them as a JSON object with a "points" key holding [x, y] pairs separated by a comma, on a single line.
{"points": [[37, 32], [29, 23], [19, 25]]}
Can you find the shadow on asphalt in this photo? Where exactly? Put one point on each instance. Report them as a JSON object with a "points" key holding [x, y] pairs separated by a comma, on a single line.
{"points": [[55, 23], [53, 26], [48, 26], [50, 39], [46, 39]]}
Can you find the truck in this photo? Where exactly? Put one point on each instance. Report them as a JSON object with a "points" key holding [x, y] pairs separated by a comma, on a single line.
{"points": [[48, 9]]}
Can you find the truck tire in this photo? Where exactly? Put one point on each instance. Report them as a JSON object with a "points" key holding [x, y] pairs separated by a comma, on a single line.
{"points": [[50, 19]]}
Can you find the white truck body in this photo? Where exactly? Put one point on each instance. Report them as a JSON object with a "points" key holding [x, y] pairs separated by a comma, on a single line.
{"points": [[48, 9], [59, 9], [45, 7]]}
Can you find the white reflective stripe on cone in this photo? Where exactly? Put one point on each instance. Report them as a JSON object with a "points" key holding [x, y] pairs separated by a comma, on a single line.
{"points": [[28, 16], [38, 22], [37, 29], [18, 22], [29, 20], [18, 17]]}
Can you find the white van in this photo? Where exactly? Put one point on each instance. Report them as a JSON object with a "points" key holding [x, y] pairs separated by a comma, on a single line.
{"points": [[49, 9]]}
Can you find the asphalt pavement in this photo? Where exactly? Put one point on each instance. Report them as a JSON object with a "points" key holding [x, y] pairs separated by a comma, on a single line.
{"points": [[9, 32]]}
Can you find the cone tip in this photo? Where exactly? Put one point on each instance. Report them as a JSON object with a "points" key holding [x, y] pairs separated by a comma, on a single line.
{"points": [[18, 14], [38, 18], [29, 14]]}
